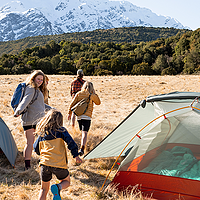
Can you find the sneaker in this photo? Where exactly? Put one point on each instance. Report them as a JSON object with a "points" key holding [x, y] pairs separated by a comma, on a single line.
{"points": [[56, 192], [81, 152]]}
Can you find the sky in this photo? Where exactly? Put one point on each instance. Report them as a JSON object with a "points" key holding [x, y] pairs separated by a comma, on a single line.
{"points": [[185, 11]]}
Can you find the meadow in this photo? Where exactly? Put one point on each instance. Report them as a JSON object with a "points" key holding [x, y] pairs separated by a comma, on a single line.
{"points": [[119, 96]]}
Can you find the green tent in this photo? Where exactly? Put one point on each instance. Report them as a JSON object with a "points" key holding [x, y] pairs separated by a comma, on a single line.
{"points": [[7, 143], [160, 140]]}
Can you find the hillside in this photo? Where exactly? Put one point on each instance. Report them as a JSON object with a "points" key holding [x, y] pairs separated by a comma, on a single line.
{"points": [[117, 35], [178, 54]]}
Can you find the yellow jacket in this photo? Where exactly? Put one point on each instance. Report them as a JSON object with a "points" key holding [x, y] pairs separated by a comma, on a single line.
{"points": [[94, 98], [52, 149]]}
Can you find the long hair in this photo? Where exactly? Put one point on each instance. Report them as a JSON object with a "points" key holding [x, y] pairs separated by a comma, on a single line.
{"points": [[31, 81], [88, 86], [51, 122]]}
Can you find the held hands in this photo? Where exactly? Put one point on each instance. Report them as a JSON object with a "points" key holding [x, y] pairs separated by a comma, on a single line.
{"points": [[78, 160]]}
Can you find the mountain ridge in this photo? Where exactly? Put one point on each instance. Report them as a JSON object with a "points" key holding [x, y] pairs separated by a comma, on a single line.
{"points": [[20, 19]]}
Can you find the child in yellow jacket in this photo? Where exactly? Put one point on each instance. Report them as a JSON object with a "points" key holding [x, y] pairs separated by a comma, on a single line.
{"points": [[50, 145]]}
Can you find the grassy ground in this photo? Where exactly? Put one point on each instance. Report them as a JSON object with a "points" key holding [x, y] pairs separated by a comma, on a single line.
{"points": [[119, 96]]}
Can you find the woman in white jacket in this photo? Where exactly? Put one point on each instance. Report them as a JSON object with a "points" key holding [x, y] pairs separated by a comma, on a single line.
{"points": [[36, 89]]}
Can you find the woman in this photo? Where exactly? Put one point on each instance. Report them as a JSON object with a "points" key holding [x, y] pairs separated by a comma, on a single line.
{"points": [[35, 89], [84, 120]]}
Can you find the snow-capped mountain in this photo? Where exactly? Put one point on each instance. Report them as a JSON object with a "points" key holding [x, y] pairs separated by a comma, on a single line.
{"points": [[26, 18]]}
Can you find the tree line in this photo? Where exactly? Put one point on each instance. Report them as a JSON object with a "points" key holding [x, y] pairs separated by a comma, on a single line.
{"points": [[117, 35], [178, 54]]}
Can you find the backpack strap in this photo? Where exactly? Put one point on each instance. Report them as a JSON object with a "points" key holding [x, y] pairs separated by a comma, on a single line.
{"points": [[35, 96], [88, 101]]}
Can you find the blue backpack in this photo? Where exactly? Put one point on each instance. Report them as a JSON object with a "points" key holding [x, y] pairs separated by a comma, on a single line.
{"points": [[18, 96]]}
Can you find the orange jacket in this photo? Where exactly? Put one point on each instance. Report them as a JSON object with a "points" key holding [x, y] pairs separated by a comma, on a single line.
{"points": [[94, 98]]}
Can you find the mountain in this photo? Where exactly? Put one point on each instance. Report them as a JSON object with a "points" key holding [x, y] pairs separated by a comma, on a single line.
{"points": [[20, 19]]}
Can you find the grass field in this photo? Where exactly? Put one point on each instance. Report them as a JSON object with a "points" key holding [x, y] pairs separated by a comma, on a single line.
{"points": [[119, 96]]}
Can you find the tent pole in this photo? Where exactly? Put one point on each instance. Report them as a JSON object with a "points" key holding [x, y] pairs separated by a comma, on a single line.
{"points": [[163, 115], [115, 163]]}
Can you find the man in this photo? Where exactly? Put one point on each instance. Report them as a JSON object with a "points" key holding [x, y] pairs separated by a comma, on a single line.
{"points": [[76, 86]]}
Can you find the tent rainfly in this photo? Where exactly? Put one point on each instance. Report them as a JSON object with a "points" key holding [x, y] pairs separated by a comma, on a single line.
{"points": [[160, 140], [7, 143]]}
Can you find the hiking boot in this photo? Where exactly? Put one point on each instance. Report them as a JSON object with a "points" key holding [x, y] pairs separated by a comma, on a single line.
{"points": [[56, 192], [81, 152]]}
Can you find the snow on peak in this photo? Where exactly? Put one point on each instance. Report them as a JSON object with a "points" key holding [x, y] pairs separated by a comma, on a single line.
{"points": [[59, 16]]}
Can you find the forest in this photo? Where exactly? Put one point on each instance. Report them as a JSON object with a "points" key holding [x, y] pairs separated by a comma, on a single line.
{"points": [[165, 55], [117, 35]]}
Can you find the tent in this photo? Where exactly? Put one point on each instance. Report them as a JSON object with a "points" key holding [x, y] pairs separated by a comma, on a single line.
{"points": [[7, 143], [160, 141]]}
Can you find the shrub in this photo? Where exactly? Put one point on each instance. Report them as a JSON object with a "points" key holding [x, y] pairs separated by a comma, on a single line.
{"points": [[141, 69], [102, 72], [168, 71]]}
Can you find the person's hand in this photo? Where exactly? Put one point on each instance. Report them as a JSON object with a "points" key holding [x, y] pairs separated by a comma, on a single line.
{"points": [[78, 160]]}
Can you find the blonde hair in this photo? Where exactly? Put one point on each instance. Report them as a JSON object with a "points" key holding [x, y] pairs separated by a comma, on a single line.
{"points": [[88, 86], [52, 121], [31, 81]]}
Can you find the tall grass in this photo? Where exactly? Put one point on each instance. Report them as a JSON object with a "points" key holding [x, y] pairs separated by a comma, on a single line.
{"points": [[119, 96]]}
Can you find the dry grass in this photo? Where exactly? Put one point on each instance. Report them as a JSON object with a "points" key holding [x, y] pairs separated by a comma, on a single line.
{"points": [[119, 96]]}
